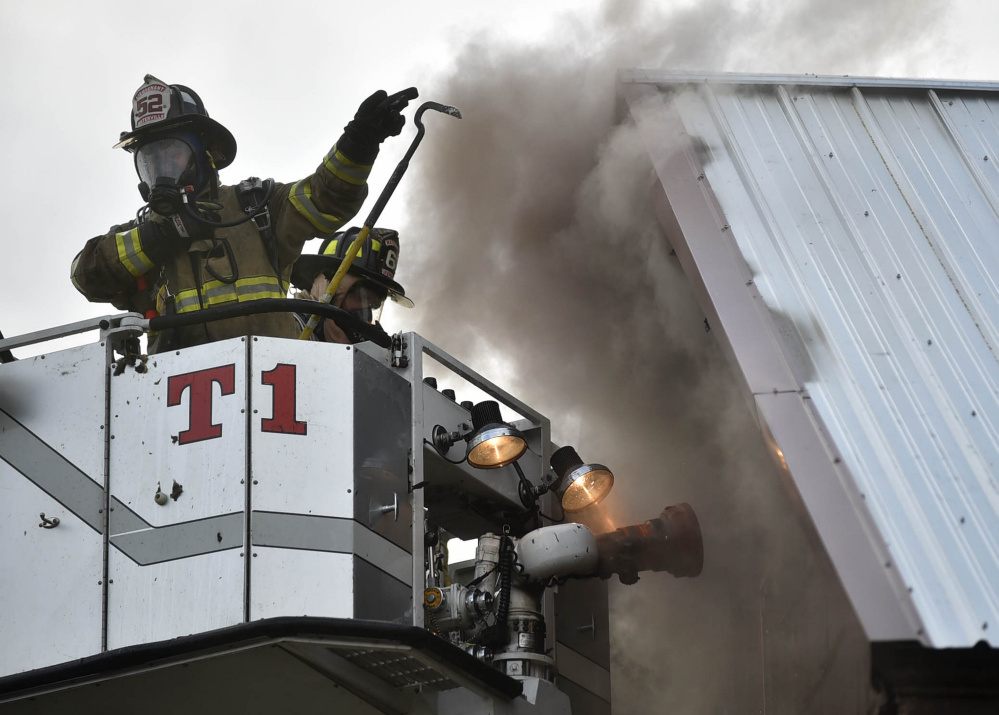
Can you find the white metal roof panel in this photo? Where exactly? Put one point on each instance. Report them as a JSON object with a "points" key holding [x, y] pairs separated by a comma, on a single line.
{"points": [[864, 217]]}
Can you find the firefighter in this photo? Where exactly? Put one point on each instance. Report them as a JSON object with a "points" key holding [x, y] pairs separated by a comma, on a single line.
{"points": [[370, 280], [197, 244]]}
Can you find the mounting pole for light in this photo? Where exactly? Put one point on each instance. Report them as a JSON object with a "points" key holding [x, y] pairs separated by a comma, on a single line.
{"points": [[379, 206]]}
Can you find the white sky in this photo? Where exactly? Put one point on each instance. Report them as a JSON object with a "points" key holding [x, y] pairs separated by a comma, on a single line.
{"points": [[283, 77]]}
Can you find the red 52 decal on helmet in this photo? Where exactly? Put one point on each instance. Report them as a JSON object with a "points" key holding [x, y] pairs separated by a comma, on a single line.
{"points": [[151, 104]]}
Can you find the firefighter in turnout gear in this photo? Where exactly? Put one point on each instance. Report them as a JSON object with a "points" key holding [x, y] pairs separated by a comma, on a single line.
{"points": [[369, 280], [197, 244]]}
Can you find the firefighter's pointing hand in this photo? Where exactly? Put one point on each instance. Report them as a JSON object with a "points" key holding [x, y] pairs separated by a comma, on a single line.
{"points": [[378, 117]]}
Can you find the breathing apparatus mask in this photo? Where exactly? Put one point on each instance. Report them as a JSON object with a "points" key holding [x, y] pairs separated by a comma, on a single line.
{"points": [[363, 300], [359, 297], [168, 169]]}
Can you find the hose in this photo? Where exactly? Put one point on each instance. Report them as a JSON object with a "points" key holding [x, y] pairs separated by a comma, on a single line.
{"points": [[256, 211], [507, 556], [497, 634]]}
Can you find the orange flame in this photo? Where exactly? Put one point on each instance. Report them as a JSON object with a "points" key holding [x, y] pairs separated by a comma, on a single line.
{"points": [[597, 519]]}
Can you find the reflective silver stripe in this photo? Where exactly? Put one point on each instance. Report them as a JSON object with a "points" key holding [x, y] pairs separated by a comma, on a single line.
{"points": [[382, 553], [156, 544], [301, 531], [130, 253], [301, 199], [343, 168], [258, 291], [583, 671], [217, 293], [243, 290], [51, 472], [146, 544], [326, 533], [186, 301]]}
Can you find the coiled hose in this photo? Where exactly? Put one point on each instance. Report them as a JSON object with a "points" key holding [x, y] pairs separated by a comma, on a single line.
{"points": [[497, 634], [507, 556]]}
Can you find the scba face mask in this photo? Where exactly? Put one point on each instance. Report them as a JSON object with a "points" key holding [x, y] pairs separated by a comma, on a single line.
{"points": [[364, 300], [169, 158], [166, 168], [356, 296]]}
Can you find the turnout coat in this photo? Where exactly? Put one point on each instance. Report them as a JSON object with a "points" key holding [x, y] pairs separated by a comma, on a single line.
{"points": [[240, 263]]}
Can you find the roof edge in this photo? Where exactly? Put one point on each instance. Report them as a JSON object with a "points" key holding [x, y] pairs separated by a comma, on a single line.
{"points": [[667, 77]]}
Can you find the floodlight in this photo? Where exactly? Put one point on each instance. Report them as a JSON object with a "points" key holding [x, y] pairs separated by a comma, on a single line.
{"points": [[579, 485], [493, 443]]}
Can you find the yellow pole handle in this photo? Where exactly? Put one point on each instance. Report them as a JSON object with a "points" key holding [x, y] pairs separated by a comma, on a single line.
{"points": [[327, 298]]}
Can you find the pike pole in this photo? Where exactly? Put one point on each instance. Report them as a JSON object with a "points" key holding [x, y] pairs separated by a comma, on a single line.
{"points": [[376, 211]]}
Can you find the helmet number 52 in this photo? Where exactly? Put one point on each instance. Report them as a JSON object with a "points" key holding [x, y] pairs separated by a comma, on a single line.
{"points": [[146, 105]]}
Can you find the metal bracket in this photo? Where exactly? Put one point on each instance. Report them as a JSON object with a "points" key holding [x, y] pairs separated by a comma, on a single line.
{"points": [[48, 523], [131, 326], [399, 346], [393, 507], [591, 627]]}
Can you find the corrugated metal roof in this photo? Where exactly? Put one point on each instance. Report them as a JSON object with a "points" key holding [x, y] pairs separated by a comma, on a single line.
{"points": [[860, 218]]}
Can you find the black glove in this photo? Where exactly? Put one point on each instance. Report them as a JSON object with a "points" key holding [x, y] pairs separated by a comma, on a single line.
{"points": [[174, 234], [378, 117]]}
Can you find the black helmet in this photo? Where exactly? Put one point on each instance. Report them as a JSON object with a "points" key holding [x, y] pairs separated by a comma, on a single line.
{"points": [[157, 107], [376, 261]]}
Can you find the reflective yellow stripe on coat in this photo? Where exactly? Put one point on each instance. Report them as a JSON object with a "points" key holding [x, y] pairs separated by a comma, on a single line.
{"points": [[301, 199], [215, 293], [343, 168], [130, 253]]}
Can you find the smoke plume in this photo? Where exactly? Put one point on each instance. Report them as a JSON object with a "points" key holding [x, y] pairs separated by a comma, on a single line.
{"points": [[533, 216]]}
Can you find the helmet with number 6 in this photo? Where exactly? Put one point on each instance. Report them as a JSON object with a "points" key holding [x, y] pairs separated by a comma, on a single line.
{"points": [[376, 261], [160, 109]]}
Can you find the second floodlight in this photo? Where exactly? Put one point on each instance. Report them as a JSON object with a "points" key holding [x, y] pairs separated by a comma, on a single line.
{"points": [[579, 485], [493, 443]]}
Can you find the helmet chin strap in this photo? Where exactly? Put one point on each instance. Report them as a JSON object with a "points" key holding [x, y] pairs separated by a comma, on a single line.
{"points": [[213, 185], [213, 177]]}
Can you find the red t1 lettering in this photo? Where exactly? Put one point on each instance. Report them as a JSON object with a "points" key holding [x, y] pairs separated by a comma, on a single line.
{"points": [[282, 379], [200, 382]]}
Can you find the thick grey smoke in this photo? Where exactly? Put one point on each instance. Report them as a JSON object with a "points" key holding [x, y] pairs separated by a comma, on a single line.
{"points": [[532, 214]]}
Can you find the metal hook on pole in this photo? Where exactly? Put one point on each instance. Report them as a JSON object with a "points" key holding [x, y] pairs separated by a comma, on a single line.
{"points": [[379, 206]]}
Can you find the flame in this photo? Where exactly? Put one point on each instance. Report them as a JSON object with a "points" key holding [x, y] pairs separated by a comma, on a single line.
{"points": [[780, 457], [597, 519]]}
